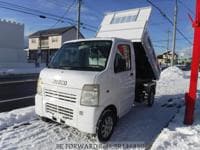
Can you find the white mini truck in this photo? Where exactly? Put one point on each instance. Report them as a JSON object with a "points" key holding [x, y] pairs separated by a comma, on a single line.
{"points": [[90, 83]]}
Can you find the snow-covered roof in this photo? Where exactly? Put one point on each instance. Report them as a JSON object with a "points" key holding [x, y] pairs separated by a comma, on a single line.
{"points": [[128, 24]]}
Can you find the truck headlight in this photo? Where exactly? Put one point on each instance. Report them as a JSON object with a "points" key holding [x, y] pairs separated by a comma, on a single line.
{"points": [[39, 86], [90, 95]]}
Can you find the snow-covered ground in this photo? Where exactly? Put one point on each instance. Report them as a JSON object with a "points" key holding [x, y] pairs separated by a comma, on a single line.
{"points": [[20, 129], [17, 116], [179, 136]]}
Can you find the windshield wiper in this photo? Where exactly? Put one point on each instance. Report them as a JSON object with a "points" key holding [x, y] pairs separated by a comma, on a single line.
{"points": [[98, 66], [64, 67], [58, 67], [82, 68]]}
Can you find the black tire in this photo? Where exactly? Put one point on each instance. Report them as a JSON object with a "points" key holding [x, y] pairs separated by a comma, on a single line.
{"points": [[109, 119], [45, 119], [151, 98]]}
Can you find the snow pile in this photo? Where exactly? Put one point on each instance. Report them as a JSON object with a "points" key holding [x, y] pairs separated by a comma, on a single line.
{"points": [[172, 73], [17, 116], [172, 82], [179, 136]]}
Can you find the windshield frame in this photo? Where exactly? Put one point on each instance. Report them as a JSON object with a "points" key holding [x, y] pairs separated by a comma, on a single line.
{"points": [[73, 68]]}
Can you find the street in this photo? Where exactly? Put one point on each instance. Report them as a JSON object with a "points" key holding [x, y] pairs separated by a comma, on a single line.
{"points": [[17, 91]]}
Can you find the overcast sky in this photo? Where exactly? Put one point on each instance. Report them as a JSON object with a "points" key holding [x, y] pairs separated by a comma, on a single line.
{"points": [[93, 12]]}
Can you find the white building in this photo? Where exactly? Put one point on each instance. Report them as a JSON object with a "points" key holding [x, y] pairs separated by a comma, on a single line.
{"points": [[11, 44], [50, 41]]}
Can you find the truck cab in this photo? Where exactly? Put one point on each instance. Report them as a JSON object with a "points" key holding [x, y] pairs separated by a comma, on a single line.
{"points": [[90, 83]]}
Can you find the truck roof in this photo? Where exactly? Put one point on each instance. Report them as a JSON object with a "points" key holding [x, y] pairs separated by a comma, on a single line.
{"points": [[98, 38]]}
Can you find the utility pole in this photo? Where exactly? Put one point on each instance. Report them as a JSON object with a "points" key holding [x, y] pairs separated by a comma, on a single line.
{"points": [[78, 18], [174, 32], [167, 49], [38, 54], [168, 38]]}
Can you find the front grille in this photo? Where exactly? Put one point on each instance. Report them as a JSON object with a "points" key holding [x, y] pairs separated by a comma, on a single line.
{"points": [[67, 113], [60, 95]]}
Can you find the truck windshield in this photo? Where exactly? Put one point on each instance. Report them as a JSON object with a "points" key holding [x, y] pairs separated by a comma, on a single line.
{"points": [[84, 56]]}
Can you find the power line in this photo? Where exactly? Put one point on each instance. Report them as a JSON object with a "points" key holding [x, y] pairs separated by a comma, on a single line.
{"points": [[26, 10], [165, 41], [159, 46], [160, 23], [170, 21], [41, 14], [67, 10], [88, 29], [21, 11], [184, 5], [55, 3], [95, 13]]}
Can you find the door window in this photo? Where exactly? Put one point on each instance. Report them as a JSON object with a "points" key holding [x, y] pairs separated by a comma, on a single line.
{"points": [[123, 58]]}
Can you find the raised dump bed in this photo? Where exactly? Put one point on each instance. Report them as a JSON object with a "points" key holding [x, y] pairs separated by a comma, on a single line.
{"points": [[132, 25]]}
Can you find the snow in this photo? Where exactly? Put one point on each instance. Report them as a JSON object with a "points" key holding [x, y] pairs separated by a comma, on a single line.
{"points": [[172, 73], [17, 116], [173, 81], [21, 129], [179, 136]]}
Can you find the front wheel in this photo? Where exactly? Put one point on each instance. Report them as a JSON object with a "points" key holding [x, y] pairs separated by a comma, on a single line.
{"points": [[106, 125], [151, 98]]}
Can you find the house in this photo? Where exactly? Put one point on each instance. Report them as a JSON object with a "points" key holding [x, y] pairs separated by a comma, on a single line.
{"points": [[185, 56], [49, 41], [166, 57], [11, 44]]}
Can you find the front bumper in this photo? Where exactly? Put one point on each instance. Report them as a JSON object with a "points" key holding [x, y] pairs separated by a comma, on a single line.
{"points": [[84, 118]]}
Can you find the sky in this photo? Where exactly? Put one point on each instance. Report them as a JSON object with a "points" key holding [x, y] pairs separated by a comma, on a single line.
{"points": [[92, 13]]}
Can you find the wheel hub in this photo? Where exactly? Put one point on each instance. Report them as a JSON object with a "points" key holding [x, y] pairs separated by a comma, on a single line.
{"points": [[107, 126]]}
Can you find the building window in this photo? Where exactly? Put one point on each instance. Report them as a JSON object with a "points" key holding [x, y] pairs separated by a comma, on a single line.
{"points": [[122, 58], [54, 39], [44, 43], [33, 40]]}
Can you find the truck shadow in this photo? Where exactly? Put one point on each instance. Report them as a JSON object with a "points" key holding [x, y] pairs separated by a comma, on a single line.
{"points": [[143, 124]]}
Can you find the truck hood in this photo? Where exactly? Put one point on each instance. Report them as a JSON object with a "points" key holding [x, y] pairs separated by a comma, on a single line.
{"points": [[67, 78]]}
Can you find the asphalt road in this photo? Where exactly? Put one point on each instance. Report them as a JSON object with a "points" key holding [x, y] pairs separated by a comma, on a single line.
{"points": [[17, 91]]}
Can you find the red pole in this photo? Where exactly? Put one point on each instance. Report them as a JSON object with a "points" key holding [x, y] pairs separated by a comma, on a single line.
{"points": [[191, 96]]}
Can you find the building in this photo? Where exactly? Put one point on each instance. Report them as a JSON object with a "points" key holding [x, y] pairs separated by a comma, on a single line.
{"points": [[166, 57], [49, 41], [185, 56], [11, 44], [184, 60]]}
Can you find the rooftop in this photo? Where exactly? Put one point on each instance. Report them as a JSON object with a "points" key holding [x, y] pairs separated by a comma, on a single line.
{"points": [[48, 32]]}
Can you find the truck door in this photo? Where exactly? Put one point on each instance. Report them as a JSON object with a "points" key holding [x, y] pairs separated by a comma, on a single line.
{"points": [[124, 70]]}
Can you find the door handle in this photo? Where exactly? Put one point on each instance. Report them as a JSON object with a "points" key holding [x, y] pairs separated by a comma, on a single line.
{"points": [[131, 74]]}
